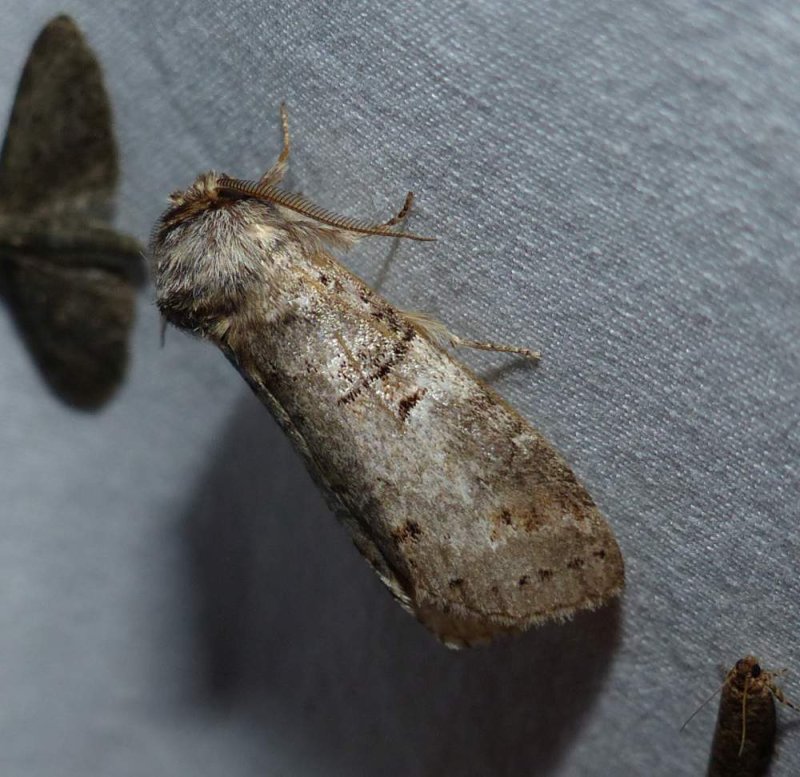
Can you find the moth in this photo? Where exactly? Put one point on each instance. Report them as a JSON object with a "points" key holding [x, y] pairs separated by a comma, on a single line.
{"points": [[70, 279], [745, 733], [469, 516]]}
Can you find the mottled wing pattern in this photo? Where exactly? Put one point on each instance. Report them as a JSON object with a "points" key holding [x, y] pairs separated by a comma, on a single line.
{"points": [[468, 514]]}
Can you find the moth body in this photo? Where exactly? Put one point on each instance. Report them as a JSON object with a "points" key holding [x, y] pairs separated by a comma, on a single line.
{"points": [[467, 514], [744, 737]]}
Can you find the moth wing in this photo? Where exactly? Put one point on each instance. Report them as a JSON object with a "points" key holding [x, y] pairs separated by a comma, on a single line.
{"points": [[538, 554], [504, 538], [75, 320], [513, 540], [361, 538], [487, 531], [744, 736], [68, 277], [59, 152], [478, 525]]}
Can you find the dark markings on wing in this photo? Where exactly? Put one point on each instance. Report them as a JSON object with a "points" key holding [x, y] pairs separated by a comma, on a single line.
{"points": [[380, 371]]}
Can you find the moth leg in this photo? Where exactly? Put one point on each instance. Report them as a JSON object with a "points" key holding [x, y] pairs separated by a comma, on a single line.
{"points": [[438, 332], [778, 694], [486, 345], [275, 174]]}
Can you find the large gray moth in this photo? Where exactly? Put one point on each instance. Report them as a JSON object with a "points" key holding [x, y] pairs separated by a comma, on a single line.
{"points": [[68, 276], [469, 516]]}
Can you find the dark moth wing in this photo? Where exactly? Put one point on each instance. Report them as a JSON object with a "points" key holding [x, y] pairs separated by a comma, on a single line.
{"points": [[69, 278], [75, 323], [59, 151]]}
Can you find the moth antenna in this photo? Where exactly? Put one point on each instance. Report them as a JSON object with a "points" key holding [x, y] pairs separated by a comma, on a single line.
{"points": [[403, 212], [703, 704], [275, 174], [778, 693], [300, 204], [744, 716], [162, 332]]}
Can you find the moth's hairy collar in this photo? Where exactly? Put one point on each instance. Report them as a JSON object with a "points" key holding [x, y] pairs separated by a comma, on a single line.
{"points": [[203, 194], [205, 186]]}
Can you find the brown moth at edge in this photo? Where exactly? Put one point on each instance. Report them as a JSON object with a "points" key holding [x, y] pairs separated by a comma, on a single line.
{"points": [[468, 515], [69, 278], [744, 736]]}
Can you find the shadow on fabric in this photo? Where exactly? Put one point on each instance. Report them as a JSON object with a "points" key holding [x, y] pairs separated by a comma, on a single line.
{"points": [[295, 630]]}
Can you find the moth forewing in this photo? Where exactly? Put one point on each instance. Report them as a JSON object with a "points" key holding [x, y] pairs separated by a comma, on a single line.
{"points": [[69, 278], [466, 512], [744, 736]]}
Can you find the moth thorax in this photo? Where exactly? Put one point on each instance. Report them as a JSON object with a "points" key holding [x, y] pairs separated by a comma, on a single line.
{"points": [[207, 261]]}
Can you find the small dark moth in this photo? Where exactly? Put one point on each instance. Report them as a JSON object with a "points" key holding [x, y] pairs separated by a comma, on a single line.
{"points": [[745, 734], [468, 515], [69, 278]]}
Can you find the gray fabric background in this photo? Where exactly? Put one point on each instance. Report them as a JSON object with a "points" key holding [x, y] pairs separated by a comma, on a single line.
{"points": [[613, 182]]}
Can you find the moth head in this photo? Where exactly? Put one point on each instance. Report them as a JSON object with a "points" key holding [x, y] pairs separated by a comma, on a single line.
{"points": [[748, 667], [205, 255], [747, 675], [203, 193]]}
